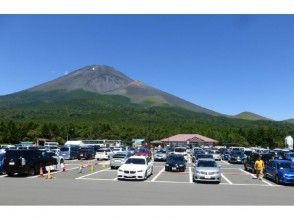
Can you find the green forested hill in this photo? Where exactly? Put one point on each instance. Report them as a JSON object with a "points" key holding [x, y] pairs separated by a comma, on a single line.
{"points": [[81, 114]]}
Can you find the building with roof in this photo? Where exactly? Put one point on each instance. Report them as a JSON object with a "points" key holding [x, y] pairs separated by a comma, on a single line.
{"points": [[194, 139]]}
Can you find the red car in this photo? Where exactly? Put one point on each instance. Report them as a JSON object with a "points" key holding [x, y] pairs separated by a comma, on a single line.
{"points": [[143, 152]]}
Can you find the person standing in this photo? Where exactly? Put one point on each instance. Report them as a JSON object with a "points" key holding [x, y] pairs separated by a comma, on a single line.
{"points": [[259, 167]]}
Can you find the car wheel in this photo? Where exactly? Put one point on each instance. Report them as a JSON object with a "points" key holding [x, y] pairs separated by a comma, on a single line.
{"points": [[277, 179], [151, 172], [166, 169], [31, 171], [10, 174], [112, 168]]}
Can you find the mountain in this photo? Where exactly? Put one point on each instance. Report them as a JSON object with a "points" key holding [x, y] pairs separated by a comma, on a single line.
{"points": [[290, 121], [105, 80], [250, 116]]}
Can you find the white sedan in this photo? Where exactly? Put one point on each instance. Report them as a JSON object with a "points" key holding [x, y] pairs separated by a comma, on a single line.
{"points": [[136, 168]]}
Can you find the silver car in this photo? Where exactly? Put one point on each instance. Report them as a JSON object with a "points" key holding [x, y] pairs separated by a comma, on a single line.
{"points": [[207, 170], [216, 154], [119, 159], [160, 155]]}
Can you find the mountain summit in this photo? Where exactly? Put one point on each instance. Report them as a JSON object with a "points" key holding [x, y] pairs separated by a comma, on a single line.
{"points": [[106, 80], [94, 78]]}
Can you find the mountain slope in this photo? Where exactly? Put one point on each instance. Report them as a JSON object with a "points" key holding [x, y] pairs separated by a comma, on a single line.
{"points": [[290, 121], [106, 80], [250, 116]]}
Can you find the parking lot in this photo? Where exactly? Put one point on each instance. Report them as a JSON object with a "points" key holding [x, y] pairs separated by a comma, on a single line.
{"points": [[98, 185]]}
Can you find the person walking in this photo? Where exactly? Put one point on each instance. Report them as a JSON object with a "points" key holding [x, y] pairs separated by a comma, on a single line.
{"points": [[259, 166]]}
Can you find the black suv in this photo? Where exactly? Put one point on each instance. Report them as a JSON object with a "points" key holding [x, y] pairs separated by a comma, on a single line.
{"points": [[87, 153], [27, 162], [249, 162]]}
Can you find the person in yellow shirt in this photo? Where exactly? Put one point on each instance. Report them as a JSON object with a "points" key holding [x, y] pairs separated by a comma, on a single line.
{"points": [[259, 166]]}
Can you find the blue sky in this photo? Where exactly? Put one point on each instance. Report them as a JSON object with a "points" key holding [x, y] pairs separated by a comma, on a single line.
{"points": [[227, 63]]}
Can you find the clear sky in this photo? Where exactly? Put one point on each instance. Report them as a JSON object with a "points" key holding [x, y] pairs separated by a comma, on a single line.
{"points": [[227, 63]]}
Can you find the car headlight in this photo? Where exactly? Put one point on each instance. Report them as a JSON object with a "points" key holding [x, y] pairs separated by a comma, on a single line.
{"points": [[120, 170], [285, 175], [181, 165], [140, 171], [198, 172], [167, 165]]}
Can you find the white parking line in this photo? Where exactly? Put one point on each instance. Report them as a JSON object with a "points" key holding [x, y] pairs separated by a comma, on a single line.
{"points": [[190, 175], [95, 179], [226, 179], [3, 176], [160, 172], [161, 181], [266, 182], [32, 177], [100, 171], [225, 162]]}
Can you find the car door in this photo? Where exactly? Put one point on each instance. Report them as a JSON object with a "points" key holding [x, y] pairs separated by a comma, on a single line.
{"points": [[269, 169]]}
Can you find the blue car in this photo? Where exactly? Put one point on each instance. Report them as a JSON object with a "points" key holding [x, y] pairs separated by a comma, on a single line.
{"points": [[226, 155], [281, 171], [290, 156]]}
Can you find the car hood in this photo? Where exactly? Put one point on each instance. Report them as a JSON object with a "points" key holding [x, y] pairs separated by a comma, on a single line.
{"points": [[134, 167], [175, 162], [287, 171], [207, 169]]}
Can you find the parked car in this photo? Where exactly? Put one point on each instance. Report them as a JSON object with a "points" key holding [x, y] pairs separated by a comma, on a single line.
{"points": [[27, 162], [216, 154], [117, 149], [196, 153], [119, 159], [69, 152], [226, 155], [206, 170], [175, 162], [249, 162], [181, 151], [87, 153], [281, 171], [236, 157], [136, 168], [160, 155], [290, 157], [203, 156], [132, 150], [2, 162], [143, 152], [103, 154]]}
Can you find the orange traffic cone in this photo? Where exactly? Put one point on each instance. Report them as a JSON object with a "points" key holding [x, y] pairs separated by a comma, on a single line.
{"points": [[41, 172]]}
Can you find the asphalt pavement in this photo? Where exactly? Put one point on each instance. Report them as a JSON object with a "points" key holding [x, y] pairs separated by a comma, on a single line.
{"points": [[96, 184]]}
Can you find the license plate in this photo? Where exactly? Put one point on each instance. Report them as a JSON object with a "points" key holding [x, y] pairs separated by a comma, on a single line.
{"points": [[174, 168], [11, 163], [207, 177]]}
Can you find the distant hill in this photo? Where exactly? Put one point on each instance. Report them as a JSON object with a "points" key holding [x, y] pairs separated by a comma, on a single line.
{"points": [[290, 121], [106, 80], [250, 116]]}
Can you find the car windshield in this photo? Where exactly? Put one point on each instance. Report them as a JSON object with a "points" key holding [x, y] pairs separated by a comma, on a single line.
{"points": [[135, 161], [284, 165], [161, 151], [180, 150], [175, 158], [119, 156], [63, 149], [203, 163]]}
